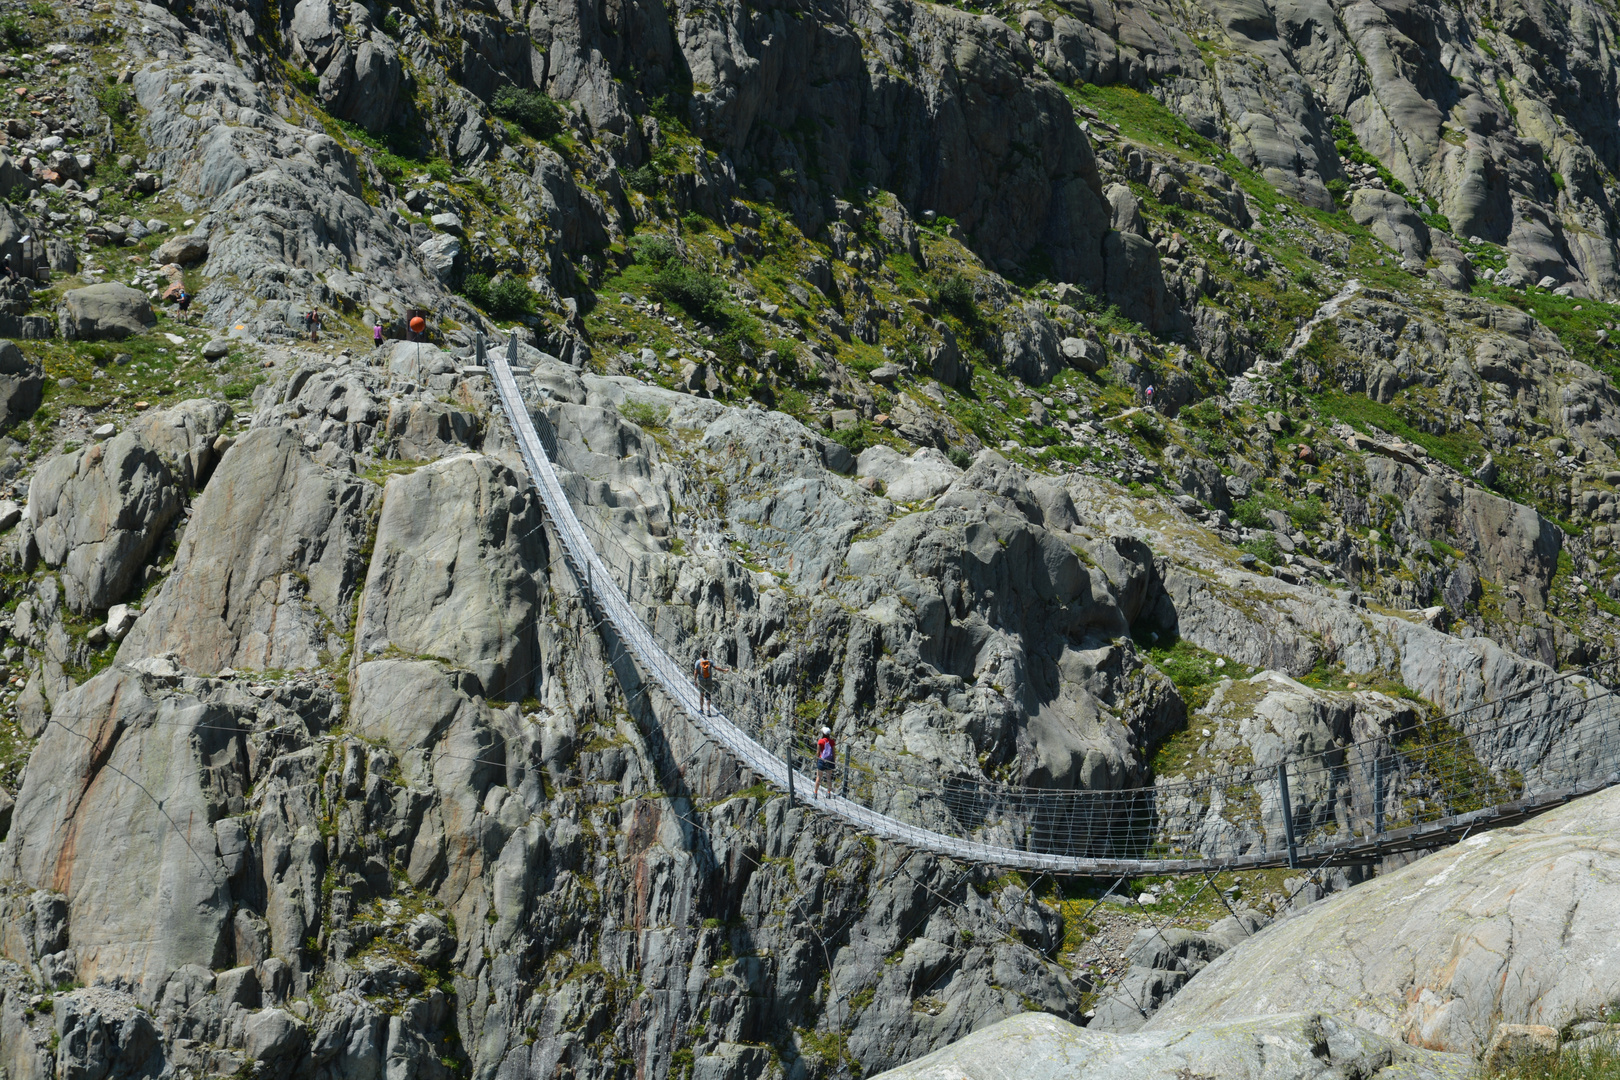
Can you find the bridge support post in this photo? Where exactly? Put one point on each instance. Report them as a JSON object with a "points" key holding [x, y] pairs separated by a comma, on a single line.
{"points": [[787, 755], [1378, 796], [843, 781], [1288, 814]]}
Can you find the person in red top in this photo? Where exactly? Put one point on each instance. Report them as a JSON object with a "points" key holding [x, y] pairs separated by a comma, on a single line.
{"points": [[826, 755]]}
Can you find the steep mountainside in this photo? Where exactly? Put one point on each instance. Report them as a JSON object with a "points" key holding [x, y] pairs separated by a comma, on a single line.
{"points": [[1062, 394]]}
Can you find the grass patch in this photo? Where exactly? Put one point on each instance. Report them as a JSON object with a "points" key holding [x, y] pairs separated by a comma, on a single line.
{"points": [[1364, 414], [1575, 321], [1590, 1059], [1194, 671]]}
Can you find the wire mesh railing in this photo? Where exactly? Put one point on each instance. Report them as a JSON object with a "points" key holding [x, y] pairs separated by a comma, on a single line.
{"points": [[1414, 784]]}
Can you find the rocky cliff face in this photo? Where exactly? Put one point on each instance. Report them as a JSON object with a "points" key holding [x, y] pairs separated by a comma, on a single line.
{"points": [[841, 323]]}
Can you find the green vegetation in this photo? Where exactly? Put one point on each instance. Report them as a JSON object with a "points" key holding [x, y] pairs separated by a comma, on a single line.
{"points": [[1364, 414], [700, 293], [1349, 148], [1590, 1059], [504, 297], [16, 33], [1194, 671], [1264, 548], [645, 415], [955, 295], [855, 438], [531, 110], [1575, 321], [1307, 514]]}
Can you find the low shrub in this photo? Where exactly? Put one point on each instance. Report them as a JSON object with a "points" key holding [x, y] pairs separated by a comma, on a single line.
{"points": [[531, 110]]}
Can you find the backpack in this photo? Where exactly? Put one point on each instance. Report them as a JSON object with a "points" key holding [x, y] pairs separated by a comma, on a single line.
{"points": [[705, 668], [828, 752]]}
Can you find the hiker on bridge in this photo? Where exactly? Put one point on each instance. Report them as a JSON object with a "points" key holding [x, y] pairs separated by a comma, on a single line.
{"points": [[826, 758], [703, 674]]}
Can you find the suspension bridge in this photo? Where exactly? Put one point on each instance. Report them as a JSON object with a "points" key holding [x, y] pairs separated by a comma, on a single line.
{"points": [[1413, 787]]}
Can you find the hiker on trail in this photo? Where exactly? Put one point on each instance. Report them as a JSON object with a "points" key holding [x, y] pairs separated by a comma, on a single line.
{"points": [[826, 756], [1150, 395], [184, 300], [418, 326], [314, 325], [703, 674], [376, 335], [11, 271]]}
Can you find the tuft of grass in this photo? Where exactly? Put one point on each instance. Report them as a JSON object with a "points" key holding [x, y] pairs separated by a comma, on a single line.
{"points": [[854, 438], [654, 249], [15, 33], [1590, 1059], [645, 415]]}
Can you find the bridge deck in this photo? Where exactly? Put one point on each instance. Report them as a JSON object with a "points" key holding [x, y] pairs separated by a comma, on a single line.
{"points": [[601, 590]]}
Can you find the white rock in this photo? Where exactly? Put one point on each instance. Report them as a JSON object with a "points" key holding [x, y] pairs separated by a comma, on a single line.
{"points": [[1038, 1046], [104, 431], [120, 617]]}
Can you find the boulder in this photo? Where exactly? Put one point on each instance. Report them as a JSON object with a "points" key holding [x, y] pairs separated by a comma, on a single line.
{"points": [[268, 565], [1081, 354], [452, 574], [440, 254], [103, 1032], [184, 436], [182, 250], [274, 1035], [22, 385], [1310, 1046], [98, 513], [120, 619], [12, 176], [1135, 281], [1394, 222], [1029, 347], [106, 312], [1126, 210], [1512, 926], [923, 475]]}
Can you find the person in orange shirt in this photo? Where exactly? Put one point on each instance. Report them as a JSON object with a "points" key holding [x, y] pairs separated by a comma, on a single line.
{"points": [[703, 674]]}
